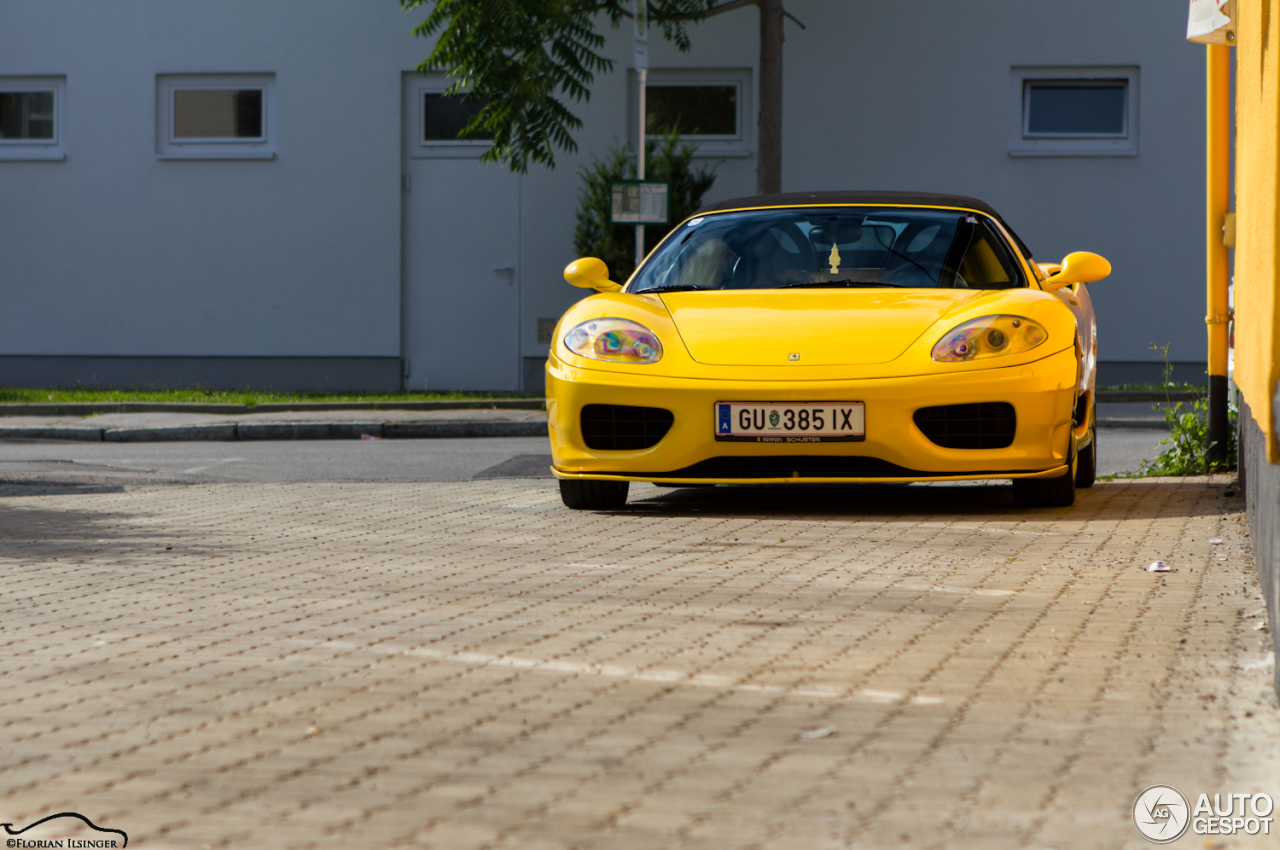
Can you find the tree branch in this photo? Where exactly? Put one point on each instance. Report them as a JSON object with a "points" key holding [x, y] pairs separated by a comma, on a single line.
{"points": [[731, 6]]}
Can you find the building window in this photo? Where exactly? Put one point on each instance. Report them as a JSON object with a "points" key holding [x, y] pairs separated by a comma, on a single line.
{"points": [[215, 117], [31, 117], [445, 115], [1075, 112], [694, 111], [1074, 109], [434, 119], [706, 107]]}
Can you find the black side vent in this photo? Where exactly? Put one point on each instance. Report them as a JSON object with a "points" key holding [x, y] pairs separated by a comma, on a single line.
{"points": [[620, 427], [989, 425], [1081, 411]]}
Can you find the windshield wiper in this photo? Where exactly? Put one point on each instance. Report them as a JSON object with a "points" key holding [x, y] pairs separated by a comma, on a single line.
{"points": [[683, 288], [835, 283]]}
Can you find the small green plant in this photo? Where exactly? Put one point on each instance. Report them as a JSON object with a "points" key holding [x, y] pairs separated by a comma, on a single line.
{"points": [[1188, 440], [668, 159]]}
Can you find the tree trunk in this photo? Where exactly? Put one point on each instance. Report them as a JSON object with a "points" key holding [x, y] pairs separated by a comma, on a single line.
{"points": [[769, 164]]}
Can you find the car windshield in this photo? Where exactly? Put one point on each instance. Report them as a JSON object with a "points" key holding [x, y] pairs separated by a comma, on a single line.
{"points": [[870, 247]]}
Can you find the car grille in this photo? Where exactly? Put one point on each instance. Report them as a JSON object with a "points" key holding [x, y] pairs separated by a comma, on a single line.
{"points": [[620, 427], [989, 425]]}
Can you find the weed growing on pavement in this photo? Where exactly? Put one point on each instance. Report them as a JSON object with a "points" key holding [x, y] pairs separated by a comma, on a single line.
{"points": [[1188, 440]]}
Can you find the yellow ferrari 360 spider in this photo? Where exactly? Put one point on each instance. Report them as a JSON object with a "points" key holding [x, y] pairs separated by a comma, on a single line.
{"points": [[829, 337]]}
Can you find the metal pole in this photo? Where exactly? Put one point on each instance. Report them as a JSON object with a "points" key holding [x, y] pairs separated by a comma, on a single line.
{"points": [[644, 79], [1217, 198]]}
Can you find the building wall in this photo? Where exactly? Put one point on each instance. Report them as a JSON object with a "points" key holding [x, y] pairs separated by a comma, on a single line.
{"points": [[114, 252], [1257, 307], [1257, 351]]}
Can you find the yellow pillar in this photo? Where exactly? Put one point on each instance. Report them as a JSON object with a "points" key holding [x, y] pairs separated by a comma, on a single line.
{"points": [[1217, 204]]}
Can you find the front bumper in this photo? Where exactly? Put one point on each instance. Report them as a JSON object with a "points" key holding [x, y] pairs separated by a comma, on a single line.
{"points": [[1042, 394]]}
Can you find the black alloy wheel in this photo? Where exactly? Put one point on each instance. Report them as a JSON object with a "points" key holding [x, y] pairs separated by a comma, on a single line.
{"points": [[583, 495]]}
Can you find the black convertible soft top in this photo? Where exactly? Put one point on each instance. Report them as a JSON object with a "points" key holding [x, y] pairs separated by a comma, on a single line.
{"points": [[919, 199]]}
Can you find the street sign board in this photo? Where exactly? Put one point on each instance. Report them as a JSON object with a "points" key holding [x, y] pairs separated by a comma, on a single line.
{"points": [[640, 202]]}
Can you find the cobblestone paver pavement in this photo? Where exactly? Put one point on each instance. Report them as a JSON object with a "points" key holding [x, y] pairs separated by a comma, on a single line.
{"points": [[473, 666]]}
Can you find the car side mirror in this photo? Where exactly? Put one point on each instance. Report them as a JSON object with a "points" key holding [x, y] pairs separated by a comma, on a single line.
{"points": [[1078, 267], [590, 273]]}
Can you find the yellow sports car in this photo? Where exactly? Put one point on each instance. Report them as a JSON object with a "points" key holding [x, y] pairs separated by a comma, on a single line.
{"points": [[829, 337]]}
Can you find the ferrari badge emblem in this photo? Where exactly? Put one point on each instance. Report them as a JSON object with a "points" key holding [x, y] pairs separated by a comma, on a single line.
{"points": [[793, 356]]}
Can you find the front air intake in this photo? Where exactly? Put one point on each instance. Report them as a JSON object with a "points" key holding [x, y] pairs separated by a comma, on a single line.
{"points": [[989, 425], [621, 427]]}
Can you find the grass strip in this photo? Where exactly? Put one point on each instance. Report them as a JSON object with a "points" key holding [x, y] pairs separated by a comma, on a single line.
{"points": [[245, 397]]}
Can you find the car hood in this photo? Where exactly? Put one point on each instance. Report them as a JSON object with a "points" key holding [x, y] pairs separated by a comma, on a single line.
{"points": [[824, 327]]}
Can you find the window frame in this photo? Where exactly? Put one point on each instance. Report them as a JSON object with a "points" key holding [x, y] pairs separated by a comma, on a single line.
{"points": [[423, 148], [711, 146], [169, 146], [38, 149], [1025, 144]]}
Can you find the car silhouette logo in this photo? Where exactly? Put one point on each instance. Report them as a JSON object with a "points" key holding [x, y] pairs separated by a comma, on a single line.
{"points": [[8, 828]]}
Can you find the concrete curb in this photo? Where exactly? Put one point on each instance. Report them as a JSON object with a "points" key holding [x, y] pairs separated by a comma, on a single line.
{"points": [[456, 430], [1135, 424], [1154, 396], [307, 430], [233, 432], [172, 434], [82, 435]]}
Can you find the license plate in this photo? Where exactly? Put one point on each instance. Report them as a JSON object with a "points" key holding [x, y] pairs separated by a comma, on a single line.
{"points": [[791, 422]]}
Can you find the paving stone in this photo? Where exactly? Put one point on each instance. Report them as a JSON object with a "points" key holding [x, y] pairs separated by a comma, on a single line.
{"points": [[471, 665]]}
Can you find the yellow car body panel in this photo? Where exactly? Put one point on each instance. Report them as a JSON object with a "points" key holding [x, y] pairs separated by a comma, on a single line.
{"points": [[780, 345], [1042, 392]]}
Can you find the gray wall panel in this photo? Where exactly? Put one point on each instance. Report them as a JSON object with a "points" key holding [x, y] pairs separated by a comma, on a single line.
{"points": [[297, 374], [116, 252]]}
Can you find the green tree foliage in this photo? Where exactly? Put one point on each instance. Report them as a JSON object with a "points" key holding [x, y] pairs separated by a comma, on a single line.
{"points": [[522, 59], [668, 160]]}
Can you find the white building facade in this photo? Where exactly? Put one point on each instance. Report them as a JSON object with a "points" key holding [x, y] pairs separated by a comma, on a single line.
{"points": [[249, 194]]}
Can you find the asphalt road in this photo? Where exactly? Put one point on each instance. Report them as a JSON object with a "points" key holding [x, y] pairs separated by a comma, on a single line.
{"points": [[335, 461]]}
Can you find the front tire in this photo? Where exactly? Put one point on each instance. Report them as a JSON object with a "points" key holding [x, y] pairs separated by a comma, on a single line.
{"points": [[1059, 492], [1087, 464], [583, 495]]}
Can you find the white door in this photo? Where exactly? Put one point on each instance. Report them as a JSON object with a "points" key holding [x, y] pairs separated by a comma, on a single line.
{"points": [[461, 261]]}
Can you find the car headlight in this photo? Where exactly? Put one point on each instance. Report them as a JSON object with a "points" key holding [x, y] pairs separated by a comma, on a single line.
{"points": [[990, 336], [618, 340]]}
